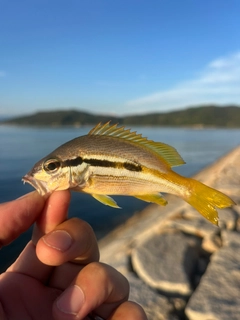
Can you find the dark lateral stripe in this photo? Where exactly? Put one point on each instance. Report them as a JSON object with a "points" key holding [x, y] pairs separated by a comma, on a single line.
{"points": [[111, 164], [132, 166], [102, 163], [73, 162]]}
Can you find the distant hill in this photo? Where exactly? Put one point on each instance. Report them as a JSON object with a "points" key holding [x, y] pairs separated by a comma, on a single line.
{"points": [[198, 116], [228, 116], [58, 118]]}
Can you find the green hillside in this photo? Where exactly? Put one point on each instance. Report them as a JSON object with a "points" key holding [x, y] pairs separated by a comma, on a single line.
{"points": [[199, 116], [228, 116], [57, 118]]}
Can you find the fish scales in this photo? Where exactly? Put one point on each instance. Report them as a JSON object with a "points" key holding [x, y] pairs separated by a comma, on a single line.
{"points": [[113, 181], [130, 157], [102, 147], [114, 160]]}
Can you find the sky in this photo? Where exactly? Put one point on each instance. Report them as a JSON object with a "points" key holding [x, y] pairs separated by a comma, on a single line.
{"points": [[118, 57]]}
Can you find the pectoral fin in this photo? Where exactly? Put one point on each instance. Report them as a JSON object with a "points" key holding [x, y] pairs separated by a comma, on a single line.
{"points": [[155, 198], [108, 201]]}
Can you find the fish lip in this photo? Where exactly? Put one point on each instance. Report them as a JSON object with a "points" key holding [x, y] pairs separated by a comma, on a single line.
{"points": [[40, 186]]}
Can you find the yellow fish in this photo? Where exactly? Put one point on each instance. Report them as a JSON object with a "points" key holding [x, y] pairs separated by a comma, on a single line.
{"points": [[112, 160]]}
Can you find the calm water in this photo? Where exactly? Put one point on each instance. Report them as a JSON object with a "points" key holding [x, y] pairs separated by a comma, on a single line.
{"points": [[20, 148]]}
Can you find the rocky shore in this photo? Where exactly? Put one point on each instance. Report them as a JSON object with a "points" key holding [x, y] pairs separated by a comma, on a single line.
{"points": [[179, 265]]}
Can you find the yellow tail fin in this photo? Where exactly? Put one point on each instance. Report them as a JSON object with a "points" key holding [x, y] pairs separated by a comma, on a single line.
{"points": [[206, 199]]}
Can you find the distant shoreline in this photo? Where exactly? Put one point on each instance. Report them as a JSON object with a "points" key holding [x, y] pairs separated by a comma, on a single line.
{"points": [[198, 118], [193, 127]]}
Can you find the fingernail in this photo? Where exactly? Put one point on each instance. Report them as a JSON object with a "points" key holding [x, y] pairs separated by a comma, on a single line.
{"points": [[71, 301], [60, 240]]}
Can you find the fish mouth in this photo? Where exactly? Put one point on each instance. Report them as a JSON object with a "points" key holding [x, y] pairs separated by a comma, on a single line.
{"points": [[40, 186]]}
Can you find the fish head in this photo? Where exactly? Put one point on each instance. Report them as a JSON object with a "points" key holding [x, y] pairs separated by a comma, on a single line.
{"points": [[48, 175]]}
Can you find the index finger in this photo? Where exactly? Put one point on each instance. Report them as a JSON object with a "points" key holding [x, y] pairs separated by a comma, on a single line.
{"points": [[18, 215]]}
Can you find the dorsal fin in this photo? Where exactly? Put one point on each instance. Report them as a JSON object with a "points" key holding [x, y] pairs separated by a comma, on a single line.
{"points": [[168, 153]]}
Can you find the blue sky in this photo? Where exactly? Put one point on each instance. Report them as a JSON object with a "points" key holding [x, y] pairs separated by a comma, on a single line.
{"points": [[119, 57]]}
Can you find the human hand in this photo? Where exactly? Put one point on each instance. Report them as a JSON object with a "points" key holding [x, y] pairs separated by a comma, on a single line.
{"points": [[57, 275]]}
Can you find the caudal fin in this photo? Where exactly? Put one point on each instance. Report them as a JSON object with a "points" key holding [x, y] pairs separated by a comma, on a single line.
{"points": [[206, 200]]}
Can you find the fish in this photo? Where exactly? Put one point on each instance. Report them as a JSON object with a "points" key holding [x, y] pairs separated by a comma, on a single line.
{"points": [[113, 160]]}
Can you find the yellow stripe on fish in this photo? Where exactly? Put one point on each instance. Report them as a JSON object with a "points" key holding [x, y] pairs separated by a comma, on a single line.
{"points": [[112, 160]]}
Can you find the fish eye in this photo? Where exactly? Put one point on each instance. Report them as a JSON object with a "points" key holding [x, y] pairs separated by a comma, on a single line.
{"points": [[51, 165]]}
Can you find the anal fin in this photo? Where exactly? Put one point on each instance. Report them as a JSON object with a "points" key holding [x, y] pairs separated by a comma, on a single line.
{"points": [[155, 198], [108, 201]]}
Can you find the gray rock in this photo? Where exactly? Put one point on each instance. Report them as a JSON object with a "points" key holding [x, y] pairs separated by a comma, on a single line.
{"points": [[212, 243], [227, 219], [229, 179], [140, 226], [179, 306], [166, 261], [238, 225], [155, 305], [193, 223], [218, 295], [202, 265], [230, 239]]}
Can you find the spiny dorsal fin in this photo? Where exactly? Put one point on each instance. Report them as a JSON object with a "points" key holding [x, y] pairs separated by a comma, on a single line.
{"points": [[168, 153]]}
